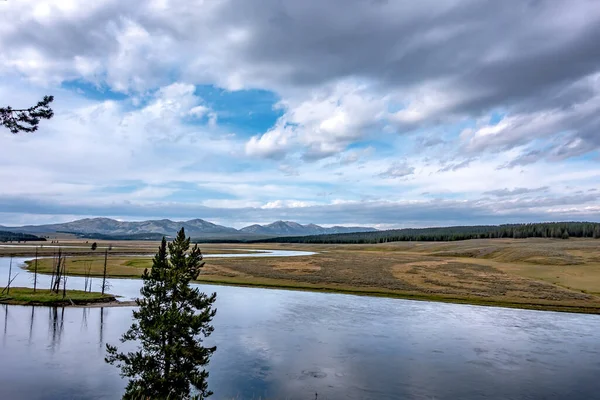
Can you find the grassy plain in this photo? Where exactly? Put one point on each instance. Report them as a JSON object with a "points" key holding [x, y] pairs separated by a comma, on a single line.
{"points": [[527, 273], [83, 248], [26, 296]]}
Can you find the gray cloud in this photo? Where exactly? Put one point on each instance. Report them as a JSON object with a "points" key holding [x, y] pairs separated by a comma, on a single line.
{"points": [[431, 141], [435, 212], [347, 72], [520, 56], [528, 158], [457, 165], [516, 191], [288, 170], [398, 170]]}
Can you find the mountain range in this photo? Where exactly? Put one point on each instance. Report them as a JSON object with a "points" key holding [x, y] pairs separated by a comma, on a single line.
{"points": [[197, 228]]}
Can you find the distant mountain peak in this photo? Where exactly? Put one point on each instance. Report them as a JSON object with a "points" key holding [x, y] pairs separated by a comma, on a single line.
{"points": [[291, 228], [194, 227]]}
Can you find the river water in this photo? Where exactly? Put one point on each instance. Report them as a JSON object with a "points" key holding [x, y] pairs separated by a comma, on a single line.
{"points": [[280, 344]]}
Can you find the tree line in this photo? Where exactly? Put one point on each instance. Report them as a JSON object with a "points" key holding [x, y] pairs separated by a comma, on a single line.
{"points": [[6, 236], [557, 230]]}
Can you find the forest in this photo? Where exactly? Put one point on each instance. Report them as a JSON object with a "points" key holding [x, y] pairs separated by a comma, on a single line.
{"points": [[6, 236], [558, 230]]}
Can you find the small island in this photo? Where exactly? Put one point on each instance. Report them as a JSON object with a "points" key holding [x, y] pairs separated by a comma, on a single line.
{"points": [[45, 297]]}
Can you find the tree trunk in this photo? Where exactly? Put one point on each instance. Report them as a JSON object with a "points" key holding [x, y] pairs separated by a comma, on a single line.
{"points": [[64, 273], [9, 276], [35, 267], [104, 272]]}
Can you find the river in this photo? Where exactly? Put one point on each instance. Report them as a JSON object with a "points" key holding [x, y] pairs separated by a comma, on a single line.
{"points": [[281, 344]]}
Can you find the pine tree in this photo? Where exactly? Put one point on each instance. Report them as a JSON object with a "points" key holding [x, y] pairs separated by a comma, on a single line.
{"points": [[171, 320]]}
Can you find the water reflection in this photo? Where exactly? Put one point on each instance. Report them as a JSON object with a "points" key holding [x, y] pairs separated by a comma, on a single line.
{"points": [[283, 344], [101, 328], [56, 324], [5, 307], [31, 324], [277, 344]]}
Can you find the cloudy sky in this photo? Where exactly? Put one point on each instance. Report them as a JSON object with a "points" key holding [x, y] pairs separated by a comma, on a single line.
{"points": [[357, 112]]}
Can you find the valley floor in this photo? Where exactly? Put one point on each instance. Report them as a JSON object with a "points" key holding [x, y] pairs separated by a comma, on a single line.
{"points": [[550, 274]]}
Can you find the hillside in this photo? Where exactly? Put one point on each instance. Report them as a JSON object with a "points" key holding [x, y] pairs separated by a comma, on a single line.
{"points": [[280, 228], [198, 228]]}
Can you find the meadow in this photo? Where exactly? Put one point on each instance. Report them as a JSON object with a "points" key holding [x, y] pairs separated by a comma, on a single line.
{"points": [[548, 274]]}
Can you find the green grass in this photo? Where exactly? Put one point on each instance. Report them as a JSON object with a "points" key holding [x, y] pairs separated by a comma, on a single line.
{"points": [[139, 263], [26, 296]]}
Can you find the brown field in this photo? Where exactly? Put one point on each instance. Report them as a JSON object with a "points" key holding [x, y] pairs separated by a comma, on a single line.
{"points": [[531, 273]]}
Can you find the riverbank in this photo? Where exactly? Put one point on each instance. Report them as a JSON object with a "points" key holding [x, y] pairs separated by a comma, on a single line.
{"points": [[541, 274], [45, 297], [215, 275], [375, 292]]}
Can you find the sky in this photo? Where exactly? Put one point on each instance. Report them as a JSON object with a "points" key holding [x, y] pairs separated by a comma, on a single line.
{"points": [[350, 112]]}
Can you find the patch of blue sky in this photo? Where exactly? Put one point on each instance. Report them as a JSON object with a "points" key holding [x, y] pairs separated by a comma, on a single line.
{"points": [[246, 112], [380, 146], [121, 187], [394, 106], [216, 163], [496, 116], [592, 156], [192, 194]]}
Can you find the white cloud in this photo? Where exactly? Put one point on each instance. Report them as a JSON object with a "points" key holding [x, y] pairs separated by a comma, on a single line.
{"points": [[391, 100], [274, 143], [323, 124], [288, 204]]}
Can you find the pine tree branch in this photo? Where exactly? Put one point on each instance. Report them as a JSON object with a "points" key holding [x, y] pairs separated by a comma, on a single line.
{"points": [[26, 119]]}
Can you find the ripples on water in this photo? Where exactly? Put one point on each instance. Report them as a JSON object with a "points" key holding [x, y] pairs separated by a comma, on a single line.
{"points": [[285, 344]]}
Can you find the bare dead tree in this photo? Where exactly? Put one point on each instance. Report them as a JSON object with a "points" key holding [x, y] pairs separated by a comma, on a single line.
{"points": [[64, 275], [59, 270], [7, 288], [35, 270], [86, 278], [53, 271], [104, 283]]}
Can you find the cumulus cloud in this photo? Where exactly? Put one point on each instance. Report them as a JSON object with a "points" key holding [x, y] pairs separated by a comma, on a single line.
{"points": [[322, 125], [451, 62], [465, 91]]}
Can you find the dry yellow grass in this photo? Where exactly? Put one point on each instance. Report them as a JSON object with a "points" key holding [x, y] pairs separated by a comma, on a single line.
{"points": [[539, 273]]}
